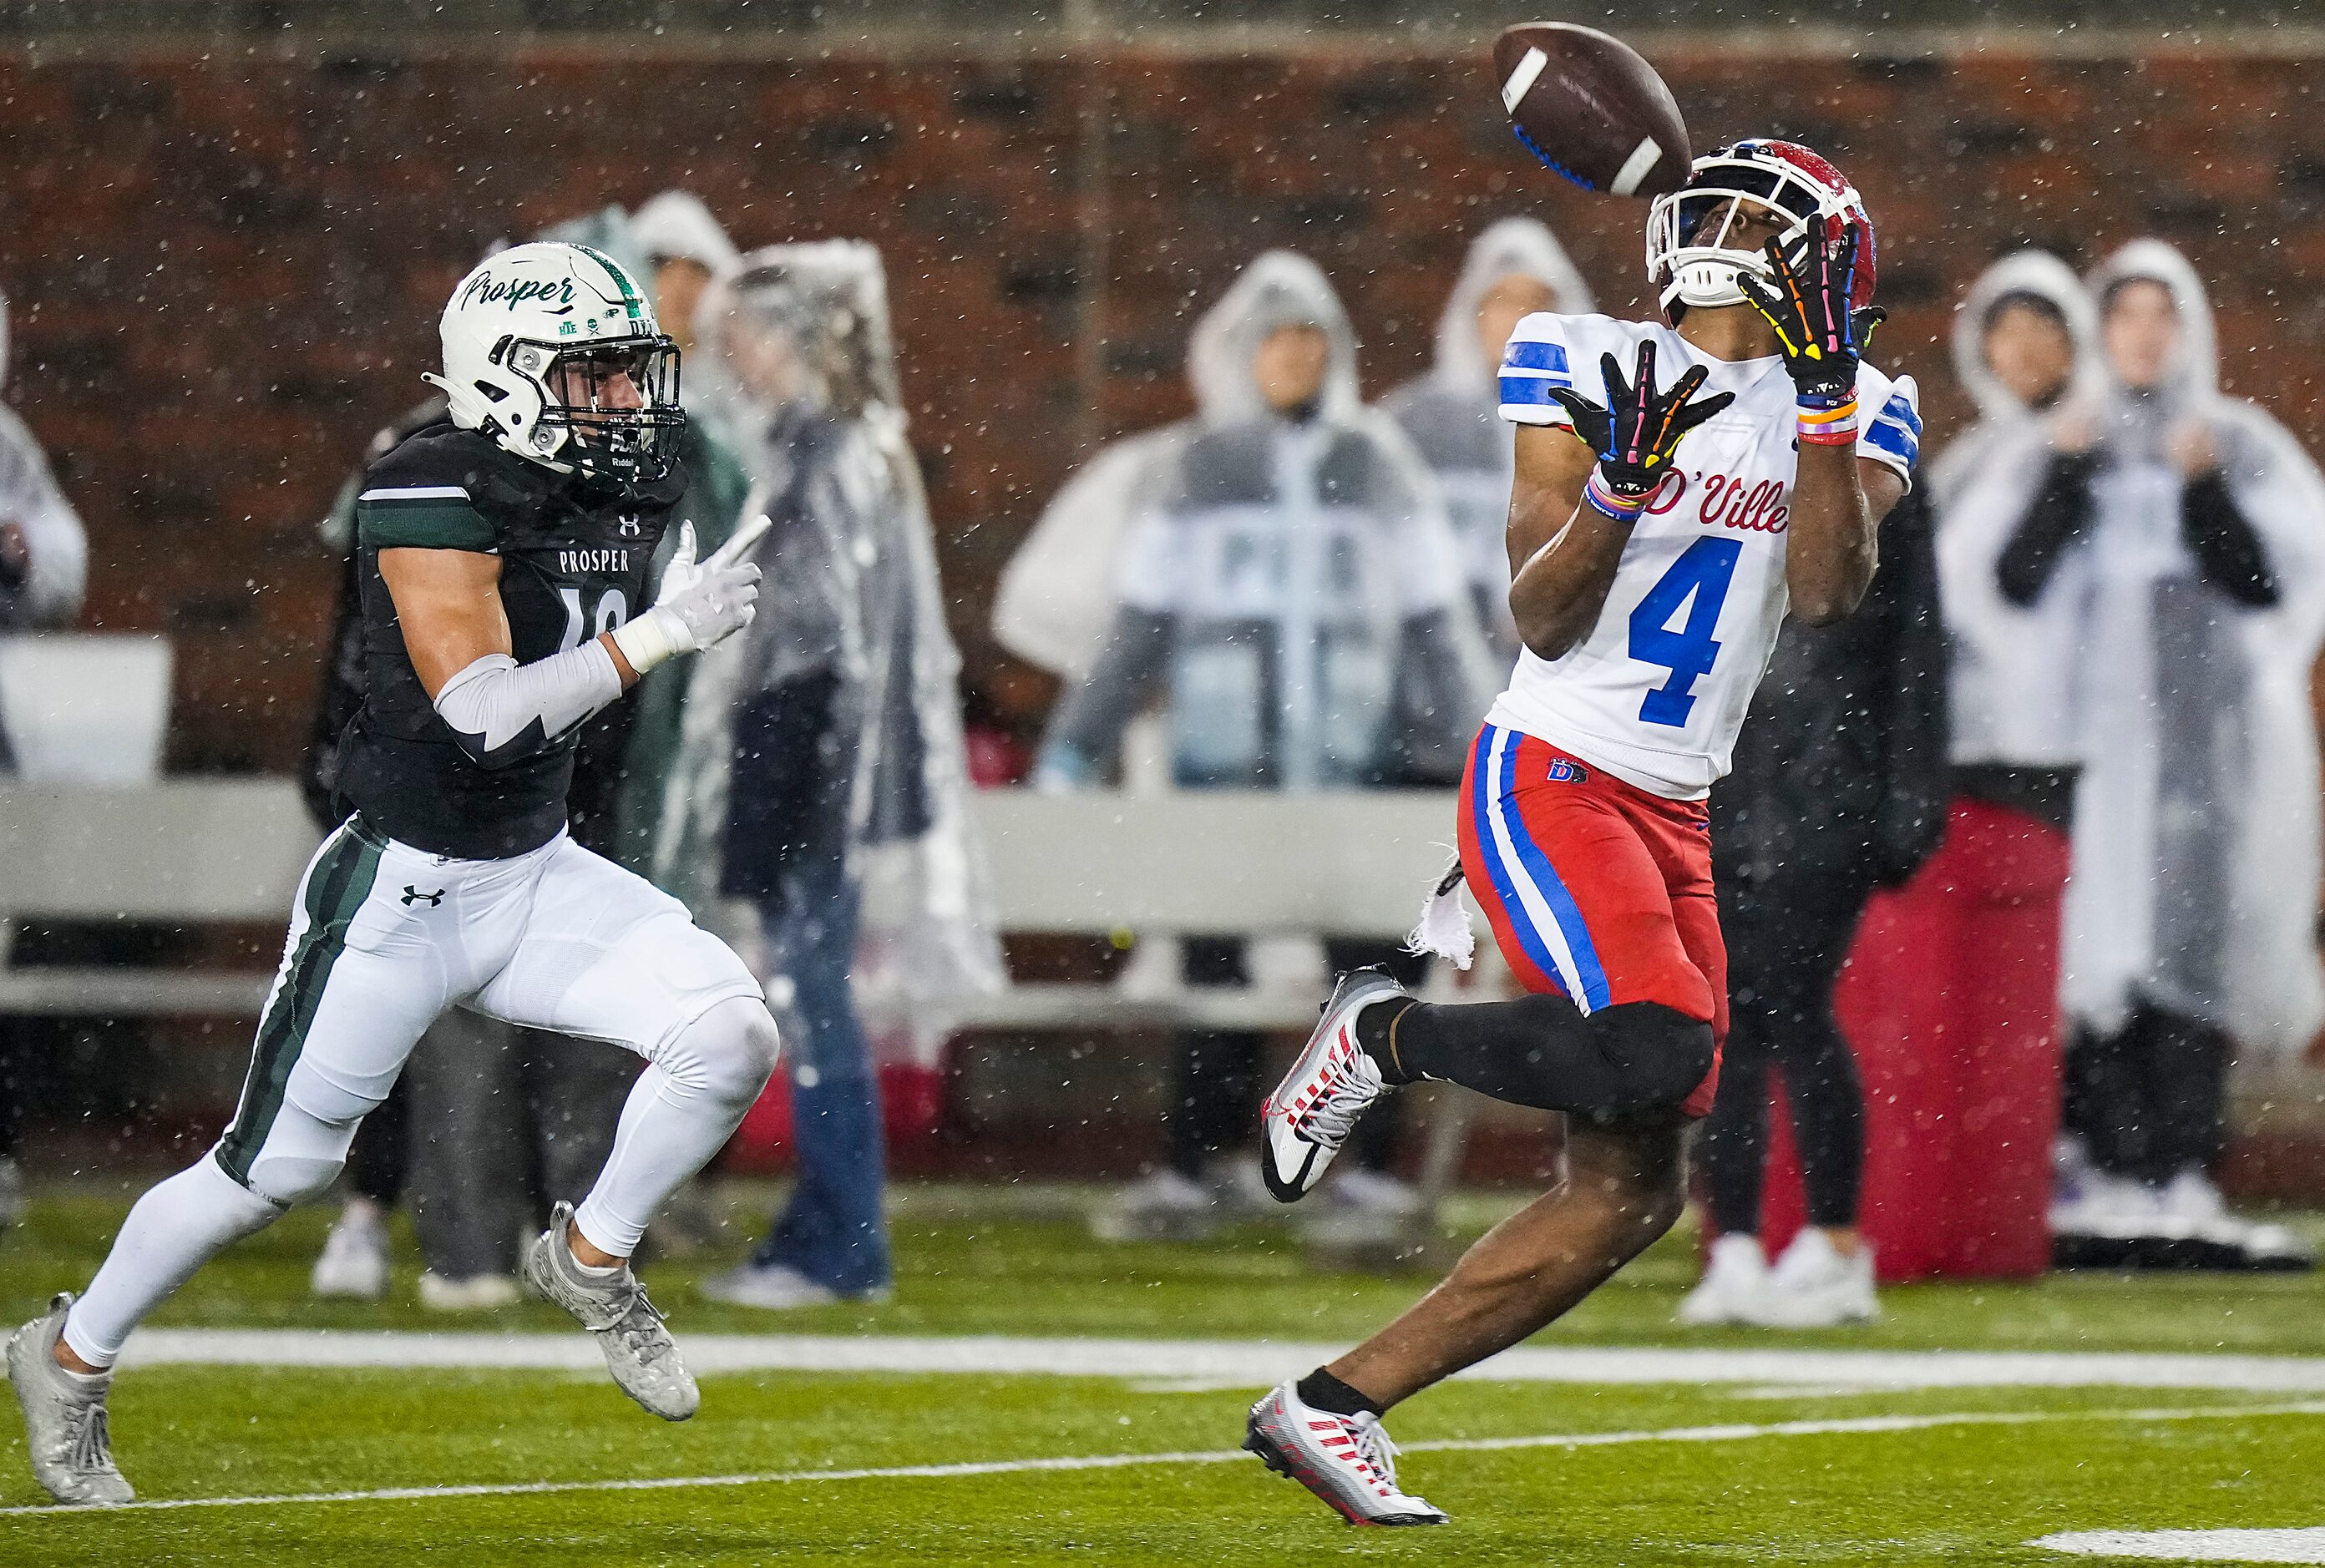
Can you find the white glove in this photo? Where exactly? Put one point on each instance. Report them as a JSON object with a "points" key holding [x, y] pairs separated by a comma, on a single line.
{"points": [[699, 605]]}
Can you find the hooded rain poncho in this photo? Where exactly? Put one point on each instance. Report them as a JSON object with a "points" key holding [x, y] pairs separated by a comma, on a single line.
{"points": [[1293, 579], [796, 369], [2014, 667], [1452, 413], [2196, 855]]}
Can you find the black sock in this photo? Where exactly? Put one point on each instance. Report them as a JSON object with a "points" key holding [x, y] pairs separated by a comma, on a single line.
{"points": [[1373, 1027], [1544, 1051], [1322, 1391]]}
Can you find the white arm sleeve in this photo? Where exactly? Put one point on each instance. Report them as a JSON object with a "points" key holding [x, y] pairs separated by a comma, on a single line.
{"points": [[502, 712]]}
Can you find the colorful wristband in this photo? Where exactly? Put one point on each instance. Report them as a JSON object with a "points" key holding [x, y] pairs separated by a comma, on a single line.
{"points": [[1621, 508], [1832, 427]]}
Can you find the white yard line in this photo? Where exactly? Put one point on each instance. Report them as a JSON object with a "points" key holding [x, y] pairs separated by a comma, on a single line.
{"points": [[2195, 1546], [1236, 1363], [1572, 1440]]}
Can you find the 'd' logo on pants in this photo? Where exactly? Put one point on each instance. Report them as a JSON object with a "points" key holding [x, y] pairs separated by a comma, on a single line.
{"points": [[1562, 771]]}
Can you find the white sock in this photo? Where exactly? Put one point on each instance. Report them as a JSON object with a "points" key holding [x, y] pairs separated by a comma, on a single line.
{"points": [[173, 1230], [681, 1112]]}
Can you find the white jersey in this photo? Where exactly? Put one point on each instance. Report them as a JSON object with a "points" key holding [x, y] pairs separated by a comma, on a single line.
{"points": [[1656, 693]]}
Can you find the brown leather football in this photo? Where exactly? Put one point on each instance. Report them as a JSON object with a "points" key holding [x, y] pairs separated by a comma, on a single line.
{"points": [[1587, 104]]}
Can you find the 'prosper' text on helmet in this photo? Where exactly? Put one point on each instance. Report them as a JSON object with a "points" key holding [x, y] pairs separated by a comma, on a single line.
{"points": [[553, 351]]}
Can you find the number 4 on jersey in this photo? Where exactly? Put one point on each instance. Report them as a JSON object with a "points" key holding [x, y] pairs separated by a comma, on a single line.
{"points": [[1696, 584]]}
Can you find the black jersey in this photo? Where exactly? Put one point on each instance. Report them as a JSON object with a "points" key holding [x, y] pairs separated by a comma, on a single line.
{"points": [[574, 558]]}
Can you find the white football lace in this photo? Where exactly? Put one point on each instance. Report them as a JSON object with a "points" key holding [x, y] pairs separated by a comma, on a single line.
{"points": [[1343, 1100], [1379, 1451]]}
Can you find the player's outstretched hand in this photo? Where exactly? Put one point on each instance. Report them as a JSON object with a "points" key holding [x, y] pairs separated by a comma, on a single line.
{"points": [[1637, 430], [1806, 299], [700, 605]]}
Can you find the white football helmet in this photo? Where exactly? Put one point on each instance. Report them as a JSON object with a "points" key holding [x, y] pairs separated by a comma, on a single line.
{"points": [[552, 350], [1688, 259]]}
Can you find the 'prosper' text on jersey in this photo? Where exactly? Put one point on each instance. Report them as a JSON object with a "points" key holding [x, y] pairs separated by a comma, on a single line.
{"points": [[1657, 692]]}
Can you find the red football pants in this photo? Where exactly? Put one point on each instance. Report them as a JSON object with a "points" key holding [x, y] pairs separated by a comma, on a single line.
{"points": [[1594, 888]]}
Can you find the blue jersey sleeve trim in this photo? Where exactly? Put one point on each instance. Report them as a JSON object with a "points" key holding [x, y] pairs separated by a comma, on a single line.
{"points": [[1533, 354], [1531, 391]]}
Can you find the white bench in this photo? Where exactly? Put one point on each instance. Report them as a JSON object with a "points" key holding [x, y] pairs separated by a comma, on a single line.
{"points": [[194, 851]]}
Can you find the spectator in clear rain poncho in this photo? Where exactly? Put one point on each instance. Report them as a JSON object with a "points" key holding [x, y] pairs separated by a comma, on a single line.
{"points": [[1984, 917], [1287, 577], [44, 570], [2196, 526], [821, 783], [1452, 413]]}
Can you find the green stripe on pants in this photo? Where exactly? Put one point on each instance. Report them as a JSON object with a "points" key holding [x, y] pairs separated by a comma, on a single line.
{"points": [[335, 889]]}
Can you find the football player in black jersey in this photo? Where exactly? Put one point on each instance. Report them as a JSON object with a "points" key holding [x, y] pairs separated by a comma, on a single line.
{"points": [[502, 556]]}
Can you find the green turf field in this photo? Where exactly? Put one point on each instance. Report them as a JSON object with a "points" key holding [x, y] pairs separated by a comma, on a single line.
{"points": [[1660, 1473]]}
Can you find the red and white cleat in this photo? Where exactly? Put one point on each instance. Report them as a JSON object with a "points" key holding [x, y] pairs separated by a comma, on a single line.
{"points": [[1346, 1460], [1333, 1082]]}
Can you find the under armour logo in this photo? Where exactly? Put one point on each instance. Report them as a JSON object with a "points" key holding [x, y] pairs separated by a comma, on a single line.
{"points": [[413, 895], [632, 527]]}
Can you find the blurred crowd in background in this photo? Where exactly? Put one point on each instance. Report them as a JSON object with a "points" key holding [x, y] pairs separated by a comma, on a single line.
{"points": [[2065, 756]]}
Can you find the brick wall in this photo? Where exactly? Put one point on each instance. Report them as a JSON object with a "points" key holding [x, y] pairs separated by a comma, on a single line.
{"points": [[226, 267]]}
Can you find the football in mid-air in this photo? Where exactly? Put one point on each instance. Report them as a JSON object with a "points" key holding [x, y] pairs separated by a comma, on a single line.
{"points": [[1591, 109]]}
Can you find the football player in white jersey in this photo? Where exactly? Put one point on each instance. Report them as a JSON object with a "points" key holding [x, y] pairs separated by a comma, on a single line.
{"points": [[1654, 560]]}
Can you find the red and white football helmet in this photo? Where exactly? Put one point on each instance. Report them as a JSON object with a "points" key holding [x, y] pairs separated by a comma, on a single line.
{"points": [[1688, 263]]}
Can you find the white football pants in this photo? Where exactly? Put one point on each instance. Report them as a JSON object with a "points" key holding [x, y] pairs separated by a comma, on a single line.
{"points": [[384, 938]]}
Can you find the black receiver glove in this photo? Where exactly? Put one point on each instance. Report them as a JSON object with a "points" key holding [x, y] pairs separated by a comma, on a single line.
{"points": [[1807, 301], [1636, 432]]}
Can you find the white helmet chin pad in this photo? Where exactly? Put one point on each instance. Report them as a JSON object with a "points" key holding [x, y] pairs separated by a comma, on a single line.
{"points": [[1705, 275]]}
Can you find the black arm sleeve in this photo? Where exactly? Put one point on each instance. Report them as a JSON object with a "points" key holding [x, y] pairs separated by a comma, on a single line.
{"points": [[1913, 818], [342, 695], [1093, 715], [2061, 514], [2228, 552]]}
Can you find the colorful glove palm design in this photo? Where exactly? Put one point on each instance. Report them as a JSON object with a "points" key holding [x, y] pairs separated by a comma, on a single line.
{"points": [[1807, 301], [1637, 430]]}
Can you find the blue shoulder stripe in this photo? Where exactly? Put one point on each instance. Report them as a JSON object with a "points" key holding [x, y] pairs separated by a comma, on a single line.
{"points": [[1531, 391], [1529, 353], [1900, 407], [1888, 436]]}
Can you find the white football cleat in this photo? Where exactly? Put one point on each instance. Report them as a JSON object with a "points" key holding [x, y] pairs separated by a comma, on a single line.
{"points": [[65, 1432], [613, 1306], [354, 1260], [1814, 1286], [1347, 1461], [778, 1287], [1734, 1281], [472, 1293], [1372, 1192], [1163, 1205], [1333, 1082]]}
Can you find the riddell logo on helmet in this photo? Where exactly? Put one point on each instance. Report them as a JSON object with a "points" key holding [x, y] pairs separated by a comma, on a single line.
{"points": [[1727, 501], [485, 290]]}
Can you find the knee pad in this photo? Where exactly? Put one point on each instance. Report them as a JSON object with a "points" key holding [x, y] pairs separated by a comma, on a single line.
{"points": [[302, 1154], [729, 1052], [286, 1179], [1658, 1055]]}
